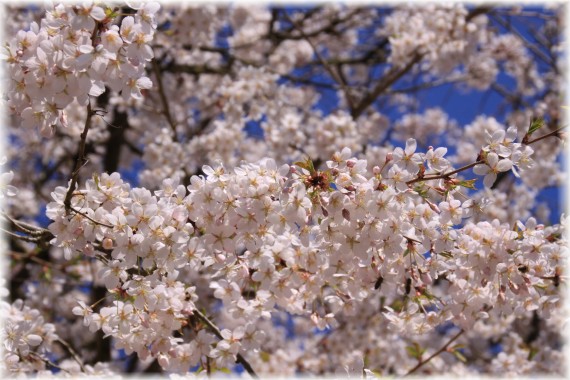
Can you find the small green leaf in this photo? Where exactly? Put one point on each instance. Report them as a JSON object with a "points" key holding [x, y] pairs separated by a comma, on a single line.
{"points": [[96, 179], [459, 356], [111, 13], [532, 353], [375, 372], [306, 164], [446, 254], [397, 305], [535, 125], [469, 184], [415, 351], [427, 295], [421, 190], [265, 356], [47, 274]]}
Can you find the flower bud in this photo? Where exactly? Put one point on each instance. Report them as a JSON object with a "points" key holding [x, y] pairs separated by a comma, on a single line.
{"points": [[107, 243], [89, 250]]}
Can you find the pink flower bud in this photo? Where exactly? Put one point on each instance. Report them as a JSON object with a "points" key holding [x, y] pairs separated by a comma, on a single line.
{"points": [[89, 250], [108, 243], [434, 207]]}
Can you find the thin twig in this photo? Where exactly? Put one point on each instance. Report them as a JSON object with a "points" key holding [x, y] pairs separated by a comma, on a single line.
{"points": [[91, 219], [387, 80], [27, 228], [420, 364], [72, 353], [218, 333], [553, 133], [445, 175], [80, 159], [22, 237], [539, 53], [335, 75], [32, 257], [162, 94], [48, 362]]}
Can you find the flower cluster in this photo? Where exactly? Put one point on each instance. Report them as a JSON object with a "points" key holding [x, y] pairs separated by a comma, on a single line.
{"points": [[285, 193], [501, 154], [74, 53], [441, 33], [283, 237], [5, 179], [25, 336]]}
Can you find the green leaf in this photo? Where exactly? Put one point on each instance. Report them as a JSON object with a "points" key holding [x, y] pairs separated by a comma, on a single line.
{"points": [[446, 254], [535, 125], [532, 353], [469, 184], [397, 305], [375, 372], [459, 356], [421, 190], [96, 179], [428, 296], [47, 274], [111, 13], [415, 351], [306, 164]]}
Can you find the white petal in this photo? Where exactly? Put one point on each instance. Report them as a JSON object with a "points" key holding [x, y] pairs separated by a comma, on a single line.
{"points": [[489, 179], [504, 165], [492, 159], [481, 169], [411, 146]]}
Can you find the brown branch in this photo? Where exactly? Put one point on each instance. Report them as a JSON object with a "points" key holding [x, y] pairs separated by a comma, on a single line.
{"points": [[387, 80], [335, 75], [539, 53], [469, 166], [161, 93], [47, 362], [329, 28], [81, 161], [71, 352], [396, 73], [553, 133], [420, 364], [445, 175], [218, 333], [91, 219]]}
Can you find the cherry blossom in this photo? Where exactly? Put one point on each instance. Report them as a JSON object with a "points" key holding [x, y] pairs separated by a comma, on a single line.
{"points": [[194, 190]]}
